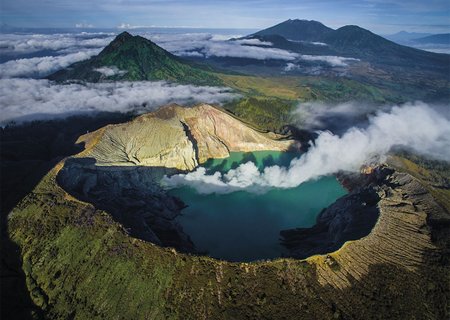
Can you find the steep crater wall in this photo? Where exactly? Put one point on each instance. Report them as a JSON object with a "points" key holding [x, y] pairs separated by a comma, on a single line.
{"points": [[132, 196], [121, 169]]}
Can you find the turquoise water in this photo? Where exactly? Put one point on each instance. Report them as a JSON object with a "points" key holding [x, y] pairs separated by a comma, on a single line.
{"points": [[243, 226]]}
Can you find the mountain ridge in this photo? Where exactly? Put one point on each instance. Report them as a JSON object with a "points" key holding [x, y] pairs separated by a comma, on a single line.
{"points": [[442, 38], [356, 42]]}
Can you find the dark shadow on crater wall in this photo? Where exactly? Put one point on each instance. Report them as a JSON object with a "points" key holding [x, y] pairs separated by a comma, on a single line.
{"points": [[27, 153], [132, 196], [191, 138]]}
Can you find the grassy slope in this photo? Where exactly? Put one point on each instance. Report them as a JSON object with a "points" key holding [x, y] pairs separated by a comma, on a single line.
{"points": [[64, 240], [263, 113], [308, 88], [268, 102]]}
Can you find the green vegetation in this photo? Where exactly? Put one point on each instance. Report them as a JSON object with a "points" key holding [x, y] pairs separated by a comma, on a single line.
{"points": [[140, 59], [268, 102], [70, 240], [264, 113], [310, 88], [64, 240]]}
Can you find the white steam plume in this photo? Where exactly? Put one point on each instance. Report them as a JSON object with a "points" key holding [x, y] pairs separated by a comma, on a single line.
{"points": [[416, 126]]}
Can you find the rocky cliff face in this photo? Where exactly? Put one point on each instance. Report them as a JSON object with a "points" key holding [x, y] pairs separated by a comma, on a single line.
{"points": [[403, 230], [177, 137]]}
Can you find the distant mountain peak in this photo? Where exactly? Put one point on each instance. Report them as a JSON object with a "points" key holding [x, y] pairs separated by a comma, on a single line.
{"points": [[118, 41], [124, 35], [298, 29]]}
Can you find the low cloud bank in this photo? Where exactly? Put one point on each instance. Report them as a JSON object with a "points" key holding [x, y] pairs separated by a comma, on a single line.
{"points": [[334, 61], [28, 99], [29, 43], [415, 126], [42, 66], [69, 42], [207, 45], [235, 50], [42, 54]]}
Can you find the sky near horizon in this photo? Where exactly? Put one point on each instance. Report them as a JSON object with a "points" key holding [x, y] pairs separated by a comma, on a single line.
{"points": [[380, 16]]}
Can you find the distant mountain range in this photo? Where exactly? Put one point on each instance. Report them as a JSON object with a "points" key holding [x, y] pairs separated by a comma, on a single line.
{"points": [[404, 36], [412, 38], [348, 41], [135, 58], [443, 38]]}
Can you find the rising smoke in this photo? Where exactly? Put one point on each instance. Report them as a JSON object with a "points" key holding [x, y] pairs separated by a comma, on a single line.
{"points": [[418, 127]]}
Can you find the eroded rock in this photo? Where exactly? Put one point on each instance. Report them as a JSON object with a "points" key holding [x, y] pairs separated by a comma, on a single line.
{"points": [[178, 137]]}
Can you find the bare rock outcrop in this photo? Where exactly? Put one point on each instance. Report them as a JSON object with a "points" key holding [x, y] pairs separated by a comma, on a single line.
{"points": [[177, 137]]}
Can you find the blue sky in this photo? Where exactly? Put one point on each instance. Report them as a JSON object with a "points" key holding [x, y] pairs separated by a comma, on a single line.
{"points": [[381, 16]]}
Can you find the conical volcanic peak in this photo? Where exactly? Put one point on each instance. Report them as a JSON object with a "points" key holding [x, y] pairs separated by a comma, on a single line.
{"points": [[135, 58]]}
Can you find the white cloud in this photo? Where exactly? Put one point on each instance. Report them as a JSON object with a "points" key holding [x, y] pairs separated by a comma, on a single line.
{"points": [[230, 49], [316, 43], [415, 126], [291, 67], [84, 25], [334, 61], [42, 66], [28, 99], [207, 45], [186, 44], [181, 44], [125, 26], [29, 43], [111, 71], [254, 42]]}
